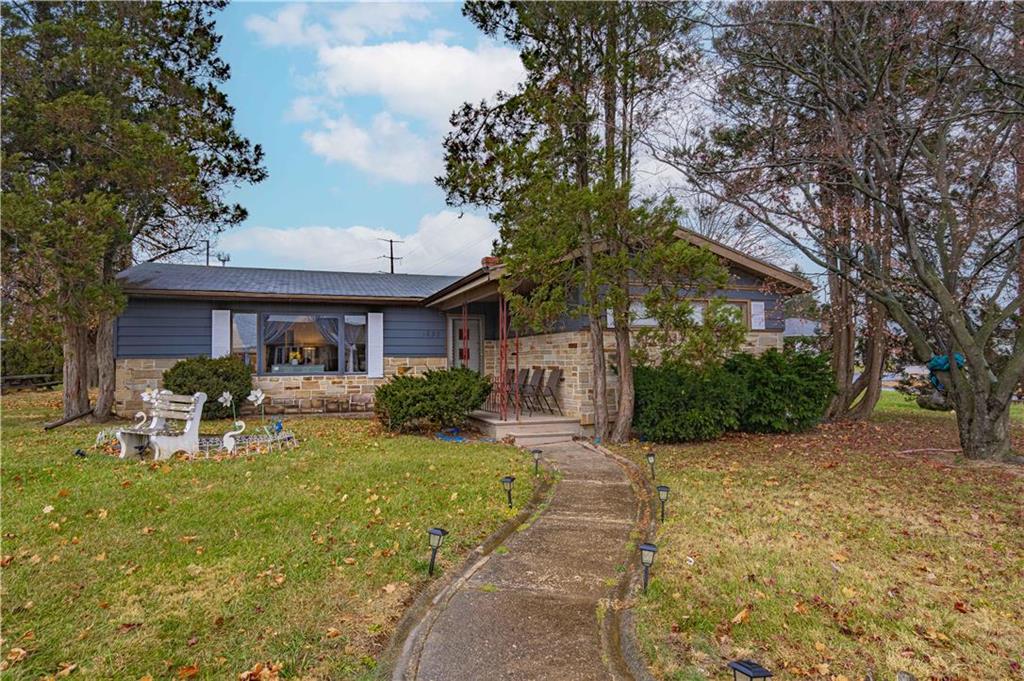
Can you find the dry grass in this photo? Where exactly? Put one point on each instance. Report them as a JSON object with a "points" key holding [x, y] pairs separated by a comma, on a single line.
{"points": [[303, 557], [830, 555]]}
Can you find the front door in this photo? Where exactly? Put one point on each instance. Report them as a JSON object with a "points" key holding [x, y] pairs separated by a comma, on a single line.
{"points": [[465, 342]]}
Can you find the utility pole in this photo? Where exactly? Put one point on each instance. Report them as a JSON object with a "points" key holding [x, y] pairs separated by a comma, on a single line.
{"points": [[392, 258]]}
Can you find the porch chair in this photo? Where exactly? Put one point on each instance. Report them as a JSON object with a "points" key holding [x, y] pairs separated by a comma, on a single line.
{"points": [[548, 390], [531, 391], [521, 381], [152, 429]]}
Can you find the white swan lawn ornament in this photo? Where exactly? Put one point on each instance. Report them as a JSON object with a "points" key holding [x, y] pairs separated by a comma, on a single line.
{"points": [[229, 437], [140, 419]]}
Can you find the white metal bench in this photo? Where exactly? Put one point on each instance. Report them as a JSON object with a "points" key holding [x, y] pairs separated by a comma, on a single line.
{"points": [[153, 429]]}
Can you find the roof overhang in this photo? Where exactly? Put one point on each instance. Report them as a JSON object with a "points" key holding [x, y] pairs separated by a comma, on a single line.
{"points": [[475, 286], [747, 262], [284, 297]]}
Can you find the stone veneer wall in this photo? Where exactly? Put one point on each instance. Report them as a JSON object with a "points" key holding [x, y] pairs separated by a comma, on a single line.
{"points": [[284, 393], [571, 351]]}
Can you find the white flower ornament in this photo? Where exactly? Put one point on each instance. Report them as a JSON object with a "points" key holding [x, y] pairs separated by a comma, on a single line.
{"points": [[149, 395], [256, 397], [225, 398]]}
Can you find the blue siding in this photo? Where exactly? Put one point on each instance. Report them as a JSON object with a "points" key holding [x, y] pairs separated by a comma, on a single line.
{"points": [[156, 327], [164, 328], [413, 332], [572, 321]]}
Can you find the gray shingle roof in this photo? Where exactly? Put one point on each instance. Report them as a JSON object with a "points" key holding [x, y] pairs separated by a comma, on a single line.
{"points": [[168, 277]]}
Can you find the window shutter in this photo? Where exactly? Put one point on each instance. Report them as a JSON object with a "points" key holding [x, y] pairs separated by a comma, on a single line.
{"points": [[220, 336], [375, 345], [757, 315]]}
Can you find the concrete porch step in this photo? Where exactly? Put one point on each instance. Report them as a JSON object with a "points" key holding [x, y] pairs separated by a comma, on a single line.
{"points": [[529, 429], [544, 439]]}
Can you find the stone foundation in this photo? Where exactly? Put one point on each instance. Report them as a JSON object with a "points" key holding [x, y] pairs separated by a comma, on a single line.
{"points": [[760, 341], [284, 393]]}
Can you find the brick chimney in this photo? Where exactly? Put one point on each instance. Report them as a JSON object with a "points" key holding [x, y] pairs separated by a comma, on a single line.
{"points": [[490, 261]]}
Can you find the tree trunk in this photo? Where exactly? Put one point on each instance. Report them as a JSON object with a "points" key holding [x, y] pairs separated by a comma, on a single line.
{"points": [[76, 385], [599, 380], [103, 410], [843, 332], [870, 383], [984, 432], [627, 395]]}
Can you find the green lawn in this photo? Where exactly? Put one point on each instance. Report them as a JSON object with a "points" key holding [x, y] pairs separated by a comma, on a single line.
{"points": [[303, 557], [834, 553]]}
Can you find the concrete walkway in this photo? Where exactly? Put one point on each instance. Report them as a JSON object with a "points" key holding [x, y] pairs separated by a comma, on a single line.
{"points": [[533, 613]]}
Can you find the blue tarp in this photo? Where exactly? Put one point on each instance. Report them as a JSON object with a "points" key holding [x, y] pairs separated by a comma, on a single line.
{"points": [[941, 363]]}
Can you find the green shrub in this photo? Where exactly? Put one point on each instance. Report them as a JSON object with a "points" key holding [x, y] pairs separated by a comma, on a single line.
{"points": [[442, 399], [20, 356], [213, 377], [680, 403], [783, 392]]}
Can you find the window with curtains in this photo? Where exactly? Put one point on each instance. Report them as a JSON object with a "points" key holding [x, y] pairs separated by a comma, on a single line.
{"points": [[243, 338], [354, 346], [302, 344]]}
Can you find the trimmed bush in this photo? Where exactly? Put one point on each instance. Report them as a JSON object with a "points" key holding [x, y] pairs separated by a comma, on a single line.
{"points": [[783, 392], [441, 398], [679, 403], [213, 377]]}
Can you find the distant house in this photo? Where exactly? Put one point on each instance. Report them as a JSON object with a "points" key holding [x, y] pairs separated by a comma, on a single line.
{"points": [[798, 327], [316, 339]]}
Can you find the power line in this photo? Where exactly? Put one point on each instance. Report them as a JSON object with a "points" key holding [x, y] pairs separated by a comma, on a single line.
{"points": [[392, 258]]}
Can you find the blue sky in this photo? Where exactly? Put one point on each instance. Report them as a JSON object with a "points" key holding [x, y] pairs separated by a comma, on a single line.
{"points": [[350, 103]]}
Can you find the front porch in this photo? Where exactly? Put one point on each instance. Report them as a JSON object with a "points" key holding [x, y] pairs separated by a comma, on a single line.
{"points": [[528, 430]]}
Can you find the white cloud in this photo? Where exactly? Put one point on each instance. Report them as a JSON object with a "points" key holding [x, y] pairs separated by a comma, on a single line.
{"points": [[288, 28], [427, 80], [359, 21], [294, 26], [443, 243], [387, 149], [418, 83], [304, 110]]}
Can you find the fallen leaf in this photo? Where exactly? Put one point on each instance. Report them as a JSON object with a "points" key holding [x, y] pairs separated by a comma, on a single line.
{"points": [[188, 672], [65, 668], [390, 588], [47, 509], [15, 655], [741, 616], [333, 633]]}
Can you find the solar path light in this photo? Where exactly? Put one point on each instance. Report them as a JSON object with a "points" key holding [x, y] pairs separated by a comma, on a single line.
{"points": [[663, 496], [506, 482], [437, 536], [647, 552], [536, 460], [650, 461], [748, 670]]}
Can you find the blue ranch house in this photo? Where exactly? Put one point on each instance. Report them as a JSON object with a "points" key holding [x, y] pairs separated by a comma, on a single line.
{"points": [[323, 341]]}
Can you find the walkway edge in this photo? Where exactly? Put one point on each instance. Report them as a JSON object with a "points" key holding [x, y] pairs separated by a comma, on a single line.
{"points": [[620, 625], [404, 644]]}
